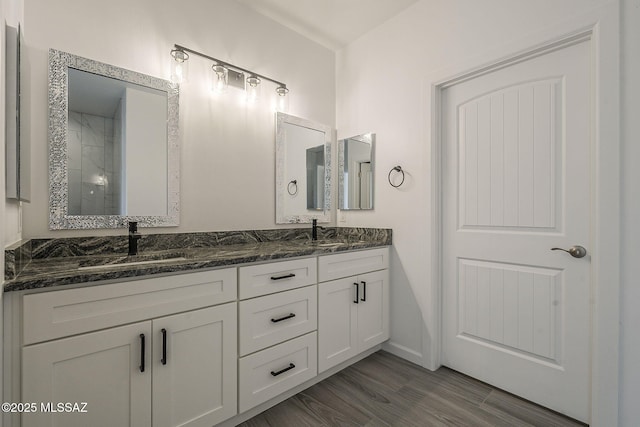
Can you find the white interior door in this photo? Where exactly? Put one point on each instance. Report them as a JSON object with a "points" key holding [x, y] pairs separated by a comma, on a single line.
{"points": [[516, 183]]}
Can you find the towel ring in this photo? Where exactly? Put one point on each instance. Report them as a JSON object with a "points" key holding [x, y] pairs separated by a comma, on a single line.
{"points": [[397, 169], [292, 187]]}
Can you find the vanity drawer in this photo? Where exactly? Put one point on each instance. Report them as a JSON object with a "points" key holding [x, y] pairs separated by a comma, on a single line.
{"points": [[263, 279], [269, 372], [272, 319], [56, 314], [331, 267]]}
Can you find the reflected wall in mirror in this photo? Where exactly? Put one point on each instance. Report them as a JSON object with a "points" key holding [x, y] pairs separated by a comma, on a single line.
{"points": [[113, 146], [356, 171], [303, 170]]}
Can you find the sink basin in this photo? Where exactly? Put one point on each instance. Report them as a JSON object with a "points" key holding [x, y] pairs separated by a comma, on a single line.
{"points": [[320, 243], [96, 264]]}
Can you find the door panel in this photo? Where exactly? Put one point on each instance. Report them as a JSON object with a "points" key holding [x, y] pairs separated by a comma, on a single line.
{"points": [[197, 384], [516, 184], [512, 307], [505, 179], [373, 312], [337, 322], [118, 393]]}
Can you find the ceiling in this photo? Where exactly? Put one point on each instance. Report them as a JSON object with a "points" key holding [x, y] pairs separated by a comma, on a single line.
{"points": [[332, 23]]}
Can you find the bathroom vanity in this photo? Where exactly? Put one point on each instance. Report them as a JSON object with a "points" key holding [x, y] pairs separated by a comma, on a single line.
{"points": [[199, 346]]}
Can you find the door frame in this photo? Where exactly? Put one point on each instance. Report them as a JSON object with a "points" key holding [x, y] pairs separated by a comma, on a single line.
{"points": [[601, 31]]}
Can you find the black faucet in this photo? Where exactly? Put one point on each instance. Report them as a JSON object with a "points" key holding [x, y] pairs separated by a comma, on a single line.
{"points": [[314, 229], [134, 236]]}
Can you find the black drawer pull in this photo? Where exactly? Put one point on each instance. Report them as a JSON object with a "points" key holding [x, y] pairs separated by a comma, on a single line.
{"points": [[357, 292], [164, 346], [364, 292], [284, 318], [287, 276], [142, 352], [282, 371]]}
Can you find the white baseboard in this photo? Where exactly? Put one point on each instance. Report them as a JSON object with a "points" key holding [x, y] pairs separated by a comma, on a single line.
{"points": [[403, 352]]}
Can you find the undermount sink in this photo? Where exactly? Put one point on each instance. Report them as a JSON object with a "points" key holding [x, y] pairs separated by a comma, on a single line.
{"points": [[96, 264]]}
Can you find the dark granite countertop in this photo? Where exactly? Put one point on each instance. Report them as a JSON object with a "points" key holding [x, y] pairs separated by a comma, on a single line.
{"points": [[62, 263]]}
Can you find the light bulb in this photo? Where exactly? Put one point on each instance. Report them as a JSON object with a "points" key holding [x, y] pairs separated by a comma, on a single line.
{"points": [[253, 88], [282, 99], [179, 66], [220, 78]]}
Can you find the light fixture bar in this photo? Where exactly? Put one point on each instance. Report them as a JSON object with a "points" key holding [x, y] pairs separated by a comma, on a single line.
{"points": [[218, 61]]}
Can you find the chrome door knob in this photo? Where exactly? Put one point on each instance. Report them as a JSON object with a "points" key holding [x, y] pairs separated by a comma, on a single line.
{"points": [[576, 251]]}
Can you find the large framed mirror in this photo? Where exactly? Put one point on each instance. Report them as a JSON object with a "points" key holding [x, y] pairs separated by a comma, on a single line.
{"points": [[303, 170], [356, 164], [113, 146]]}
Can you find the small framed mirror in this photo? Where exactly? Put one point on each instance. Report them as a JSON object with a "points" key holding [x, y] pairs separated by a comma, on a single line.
{"points": [[356, 171], [303, 170], [113, 146]]}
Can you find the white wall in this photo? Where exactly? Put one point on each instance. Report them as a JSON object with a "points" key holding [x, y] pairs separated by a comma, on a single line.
{"points": [[383, 86], [630, 299], [228, 148]]}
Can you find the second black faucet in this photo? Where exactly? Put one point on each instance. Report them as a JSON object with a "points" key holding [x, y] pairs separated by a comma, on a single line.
{"points": [[134, 236], [314, 229]]}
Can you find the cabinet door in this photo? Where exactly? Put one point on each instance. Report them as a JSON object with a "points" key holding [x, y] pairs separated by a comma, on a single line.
{"points": [[337, 322], [195, 379], [102, 369], [373, 310]]}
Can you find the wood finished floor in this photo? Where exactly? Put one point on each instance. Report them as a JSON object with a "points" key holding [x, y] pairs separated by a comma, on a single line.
{"points": [[384, 390]]}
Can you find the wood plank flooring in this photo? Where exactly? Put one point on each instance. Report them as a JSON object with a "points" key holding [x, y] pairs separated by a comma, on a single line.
{"points": [[384, 390]]}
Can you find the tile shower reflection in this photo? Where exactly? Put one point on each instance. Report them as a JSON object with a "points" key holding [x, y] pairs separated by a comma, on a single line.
{"points": [[95, 166]]}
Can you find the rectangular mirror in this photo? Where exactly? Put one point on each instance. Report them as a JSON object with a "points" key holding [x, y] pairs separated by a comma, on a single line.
{"points": [[355, 172], [113, 146], [17, 159], [303, 170]]}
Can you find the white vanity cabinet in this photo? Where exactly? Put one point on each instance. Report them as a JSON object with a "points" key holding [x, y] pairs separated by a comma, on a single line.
{"points": [[140, 353], [353, 304], [194, 349], [277, 329]]}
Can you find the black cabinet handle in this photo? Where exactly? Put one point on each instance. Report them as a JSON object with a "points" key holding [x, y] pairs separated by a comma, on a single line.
{"points": [[142, 352], [357, 292], [364, 291], [287, 276], [283, 318], [282, 371], [164, 346]]}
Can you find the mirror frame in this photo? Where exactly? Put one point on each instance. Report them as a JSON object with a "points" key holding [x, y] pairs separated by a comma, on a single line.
{"points": [[323, 216], [341, 201], [59, 218]]}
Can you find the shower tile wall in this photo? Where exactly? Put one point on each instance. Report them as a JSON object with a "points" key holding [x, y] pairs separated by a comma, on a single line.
{"points": [[91, 165]]}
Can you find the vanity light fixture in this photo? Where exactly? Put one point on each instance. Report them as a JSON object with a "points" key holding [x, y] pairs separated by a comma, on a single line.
{"points": [[179, 65], [225, 75]]}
